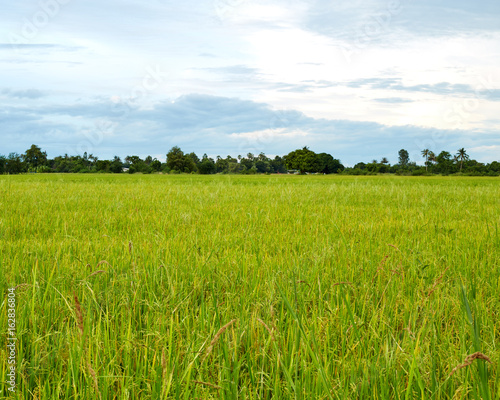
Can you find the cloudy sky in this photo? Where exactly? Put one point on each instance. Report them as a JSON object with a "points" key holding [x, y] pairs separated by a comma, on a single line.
{"points": [[359, 79]]}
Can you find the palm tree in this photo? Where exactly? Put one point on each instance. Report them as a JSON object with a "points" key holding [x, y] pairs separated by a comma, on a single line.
{"points": [[432, 157], [426, 153], [462, 155], [384, 161]]}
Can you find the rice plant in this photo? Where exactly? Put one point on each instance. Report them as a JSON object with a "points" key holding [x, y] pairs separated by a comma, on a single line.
{"points": [[251, 287]]}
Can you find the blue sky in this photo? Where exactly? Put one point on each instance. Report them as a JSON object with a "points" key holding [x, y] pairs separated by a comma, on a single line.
{"points": [[359, 79]]}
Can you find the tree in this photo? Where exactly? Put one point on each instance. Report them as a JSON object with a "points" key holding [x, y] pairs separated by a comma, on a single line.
{"points": [[14, 164], [194, 157], [432, 157], [156, 165], [462, 155], [3, 162], [132, 160], [232, 166], [404, 158], [425, 153], [221, 165], [277, 165], [116, 165], [93, 160], [444, 162], [329, 165], [34, 157], [494, 166], [304, 160], [137, 165], [246, 163], [262, 157], [103, 165], [384, 165], [178, 161], [373, 167], [262, 166], [207, 166]]}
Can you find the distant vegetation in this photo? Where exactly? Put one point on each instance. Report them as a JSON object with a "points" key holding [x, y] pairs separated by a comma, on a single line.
{"points": [[298, 161]]}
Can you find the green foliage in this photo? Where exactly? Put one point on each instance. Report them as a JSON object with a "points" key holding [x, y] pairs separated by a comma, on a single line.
{"points": [[156, 165], [329, 165], [404, 158], [207, 166], [462, 156], [34, 157], [179, 162], [3, 163], [306, 160], [14, 164], [103, 166], [34, 160], [116, 165]]}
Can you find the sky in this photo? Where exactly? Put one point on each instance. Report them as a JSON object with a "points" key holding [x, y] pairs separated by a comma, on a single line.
{"points": [[358, 79]]}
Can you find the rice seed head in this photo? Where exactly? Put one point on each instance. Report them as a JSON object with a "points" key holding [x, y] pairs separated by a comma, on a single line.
{"points": [[267, 328], [342, 283], [103, 262], [23, 286], [438, 281], [79, 314], [96, 273], [221, 331], [469, 359], [163, 363], [94, 379], [216, 338], [208, 384]]}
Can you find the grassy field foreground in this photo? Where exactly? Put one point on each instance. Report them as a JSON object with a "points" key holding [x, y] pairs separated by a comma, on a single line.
{"points": [[251, 287]]}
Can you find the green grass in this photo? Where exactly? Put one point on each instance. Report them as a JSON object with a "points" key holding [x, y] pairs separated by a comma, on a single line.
{"points": [[341, 287]]}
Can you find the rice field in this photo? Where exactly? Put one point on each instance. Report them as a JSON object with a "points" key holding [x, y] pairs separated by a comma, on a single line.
{"points": [[250, 287]]}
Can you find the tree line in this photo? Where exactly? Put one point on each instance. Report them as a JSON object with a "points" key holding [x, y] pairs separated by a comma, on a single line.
{"points": [[300, 161], [443, 163]]}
